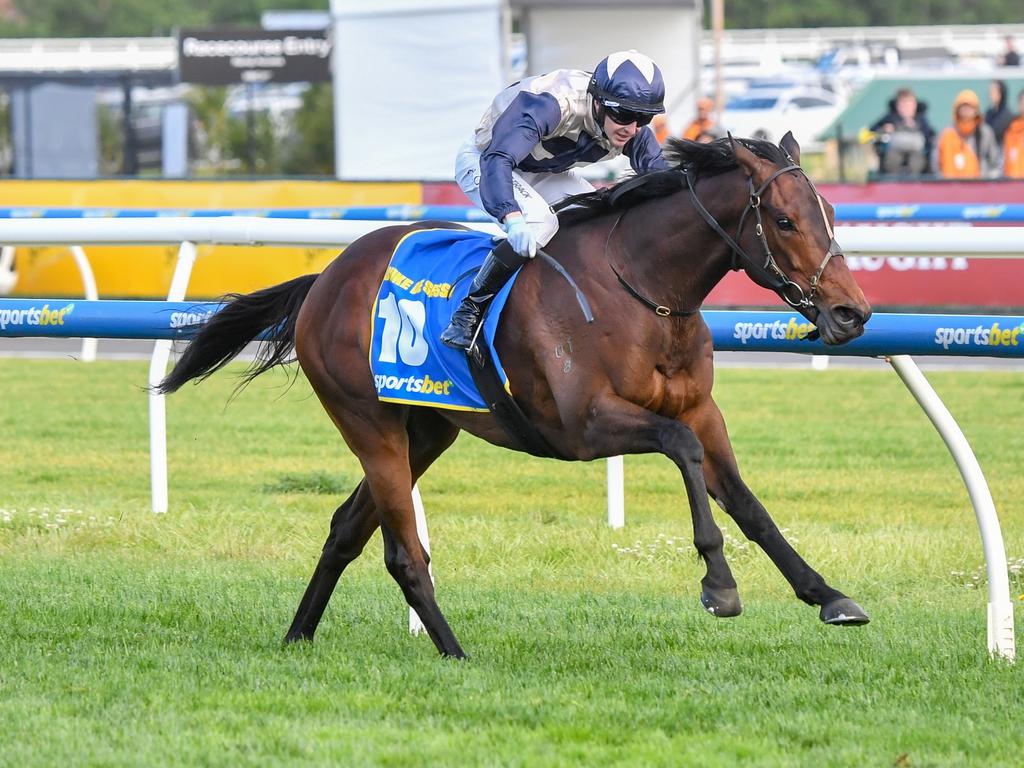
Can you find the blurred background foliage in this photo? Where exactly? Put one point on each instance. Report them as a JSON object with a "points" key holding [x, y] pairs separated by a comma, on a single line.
{"points": [[134, 18], [129, 18]]}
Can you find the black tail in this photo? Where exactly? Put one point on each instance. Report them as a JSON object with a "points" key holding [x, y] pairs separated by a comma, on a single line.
{"points": [[243, 318]]}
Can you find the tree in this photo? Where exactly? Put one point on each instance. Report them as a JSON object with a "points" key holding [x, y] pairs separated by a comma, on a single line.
{"points": [[135, 18], [312, 151]]}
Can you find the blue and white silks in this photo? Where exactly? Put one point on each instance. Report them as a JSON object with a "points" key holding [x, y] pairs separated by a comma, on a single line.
{"points": [[414, 306]]}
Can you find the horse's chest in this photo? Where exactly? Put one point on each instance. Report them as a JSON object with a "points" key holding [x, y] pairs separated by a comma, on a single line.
{"points": [[670, 395]]}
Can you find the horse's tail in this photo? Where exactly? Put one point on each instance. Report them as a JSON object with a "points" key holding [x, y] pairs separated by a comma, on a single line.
{"points": [[243, 318]]}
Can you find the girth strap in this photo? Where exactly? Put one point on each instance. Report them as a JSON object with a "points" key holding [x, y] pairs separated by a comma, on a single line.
{"points": [[503, 406]]}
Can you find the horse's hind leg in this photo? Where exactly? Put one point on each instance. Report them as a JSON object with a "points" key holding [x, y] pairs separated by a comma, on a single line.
{"points": [[620, 427], [351, 527], [390, 478], [355, 521], [729, 490]]}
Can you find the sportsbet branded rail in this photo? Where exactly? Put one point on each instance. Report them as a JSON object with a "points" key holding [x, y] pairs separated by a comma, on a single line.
{"points": [[884, 336]]}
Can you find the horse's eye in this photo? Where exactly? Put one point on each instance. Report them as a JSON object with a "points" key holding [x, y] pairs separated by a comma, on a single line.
{"points": [[785, 224]]}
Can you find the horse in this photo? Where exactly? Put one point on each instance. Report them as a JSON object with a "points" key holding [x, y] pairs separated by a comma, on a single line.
{"points": [[638, 379]]}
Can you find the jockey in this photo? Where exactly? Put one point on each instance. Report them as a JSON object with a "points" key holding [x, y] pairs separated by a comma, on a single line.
{"points": [[522, 156]]}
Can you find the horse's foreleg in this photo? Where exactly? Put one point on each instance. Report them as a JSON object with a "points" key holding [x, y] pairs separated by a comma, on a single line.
{"points": [[728, 489], [619, 427]]}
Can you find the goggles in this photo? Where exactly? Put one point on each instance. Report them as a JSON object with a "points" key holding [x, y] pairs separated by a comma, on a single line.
{"points": [[623, 116]]}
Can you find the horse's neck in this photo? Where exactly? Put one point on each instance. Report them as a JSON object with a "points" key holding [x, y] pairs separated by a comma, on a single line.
{"points": [[673, 250]]}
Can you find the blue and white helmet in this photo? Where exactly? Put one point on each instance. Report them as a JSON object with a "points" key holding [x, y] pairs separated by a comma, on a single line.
{"points": [[629, 80]]}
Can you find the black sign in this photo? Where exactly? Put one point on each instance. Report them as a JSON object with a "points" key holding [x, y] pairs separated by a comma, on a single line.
{"points": [[229, 56]]}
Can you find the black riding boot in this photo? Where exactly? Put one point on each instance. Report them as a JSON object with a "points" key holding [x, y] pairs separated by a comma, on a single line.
{"points": [[498, 267]]}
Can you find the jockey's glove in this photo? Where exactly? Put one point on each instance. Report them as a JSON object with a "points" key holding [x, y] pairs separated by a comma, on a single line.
{"points": [[521, 237]]}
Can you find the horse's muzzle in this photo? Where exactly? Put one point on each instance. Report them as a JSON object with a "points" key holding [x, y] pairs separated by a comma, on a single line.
{"points": [[841, 323]]}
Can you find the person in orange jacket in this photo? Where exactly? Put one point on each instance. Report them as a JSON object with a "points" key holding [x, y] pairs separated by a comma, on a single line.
{"points": [[967, 149], [660, 127], [1013, 143], [704, 122]]}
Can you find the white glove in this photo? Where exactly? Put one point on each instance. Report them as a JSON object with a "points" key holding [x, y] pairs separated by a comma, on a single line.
{"points": [[521, 237]]}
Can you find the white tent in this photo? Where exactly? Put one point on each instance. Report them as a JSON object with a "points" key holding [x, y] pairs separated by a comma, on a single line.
{"points": [[413, 77], [411, 80]]}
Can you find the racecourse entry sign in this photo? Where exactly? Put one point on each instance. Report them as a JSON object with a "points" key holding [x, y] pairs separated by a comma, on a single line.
{"points": [[225, 56]]}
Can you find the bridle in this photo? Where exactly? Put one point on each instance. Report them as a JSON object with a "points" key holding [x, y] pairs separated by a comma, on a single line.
{"points": [[769, 271]]}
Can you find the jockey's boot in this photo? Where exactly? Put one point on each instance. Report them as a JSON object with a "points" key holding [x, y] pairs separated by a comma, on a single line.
{"points": [[498, 267]]}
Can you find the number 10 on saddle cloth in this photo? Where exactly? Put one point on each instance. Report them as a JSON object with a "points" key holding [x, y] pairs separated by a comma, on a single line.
{"points": [[429, 274]]}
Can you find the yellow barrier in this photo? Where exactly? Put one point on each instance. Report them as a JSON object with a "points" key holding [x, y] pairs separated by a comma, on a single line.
{"points": [[145, 272]]}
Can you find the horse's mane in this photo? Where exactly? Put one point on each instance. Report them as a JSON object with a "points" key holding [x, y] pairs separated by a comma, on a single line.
{"points": [[703, 160]]}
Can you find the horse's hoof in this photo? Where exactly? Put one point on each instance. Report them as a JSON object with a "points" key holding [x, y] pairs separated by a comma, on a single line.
{"points": [[722, 603], [843, 612]]}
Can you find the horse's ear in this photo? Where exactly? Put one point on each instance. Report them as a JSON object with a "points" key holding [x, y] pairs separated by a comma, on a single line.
{"points": [[746, 159], [790, 147]]}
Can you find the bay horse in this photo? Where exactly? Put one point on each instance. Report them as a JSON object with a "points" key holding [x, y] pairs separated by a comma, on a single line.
{"points": [[645, 252]]}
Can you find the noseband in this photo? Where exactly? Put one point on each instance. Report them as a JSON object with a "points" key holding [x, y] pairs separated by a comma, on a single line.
{"points": [[768, 270]]}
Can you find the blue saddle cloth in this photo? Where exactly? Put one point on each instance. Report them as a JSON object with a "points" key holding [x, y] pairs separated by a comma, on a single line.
{"points": [[420, 291]]}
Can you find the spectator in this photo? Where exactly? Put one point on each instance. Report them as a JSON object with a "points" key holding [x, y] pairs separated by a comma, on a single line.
{"points": [[1010, 57], [660, 127], [706, 137], [967, 149], [704, 122], [904, 135], [1013, 143], [998, 116]]}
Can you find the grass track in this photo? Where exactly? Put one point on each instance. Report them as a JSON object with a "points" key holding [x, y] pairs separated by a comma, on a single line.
{"points": [[135, 639]]}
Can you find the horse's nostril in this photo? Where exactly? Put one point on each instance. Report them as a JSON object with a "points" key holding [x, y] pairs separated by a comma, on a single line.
{"points": [[845, 315]]}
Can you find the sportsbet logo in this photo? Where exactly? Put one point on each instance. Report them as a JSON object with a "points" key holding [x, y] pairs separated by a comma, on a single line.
{"points": [[773, 330], [980, 336], [423, 384], [186, 319], [33, 316]]}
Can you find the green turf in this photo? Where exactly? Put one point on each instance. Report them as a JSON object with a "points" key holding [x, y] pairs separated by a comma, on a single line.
{"points": [[137, 639]]}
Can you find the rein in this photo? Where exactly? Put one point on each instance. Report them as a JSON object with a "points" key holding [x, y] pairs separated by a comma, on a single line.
{"points": [[769, 271]]}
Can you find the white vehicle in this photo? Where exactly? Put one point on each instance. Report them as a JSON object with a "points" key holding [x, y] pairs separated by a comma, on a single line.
{"points": [[766, 113]]}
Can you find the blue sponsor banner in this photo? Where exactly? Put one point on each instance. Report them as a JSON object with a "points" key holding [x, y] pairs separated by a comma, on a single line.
{"points": [[885, 334], [937, 212], [73, 318], [911, 212], [353, 213]]}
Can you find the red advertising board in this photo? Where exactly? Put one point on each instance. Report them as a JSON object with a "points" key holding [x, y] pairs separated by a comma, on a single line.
{"points": [[892, 281]]}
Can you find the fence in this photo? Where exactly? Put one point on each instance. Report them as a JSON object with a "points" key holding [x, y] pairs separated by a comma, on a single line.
{"points": [[895, 337], [995, 213]]}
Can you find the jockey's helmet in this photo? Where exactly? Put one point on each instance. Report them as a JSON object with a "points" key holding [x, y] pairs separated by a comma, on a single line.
{"points": [[627, 82]]}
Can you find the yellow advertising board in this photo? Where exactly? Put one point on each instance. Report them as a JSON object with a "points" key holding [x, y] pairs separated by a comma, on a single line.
{"points": [[145, 271]]}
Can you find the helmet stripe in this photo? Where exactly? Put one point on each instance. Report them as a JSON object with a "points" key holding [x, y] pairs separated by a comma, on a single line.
{"points": [[644, 64]]}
